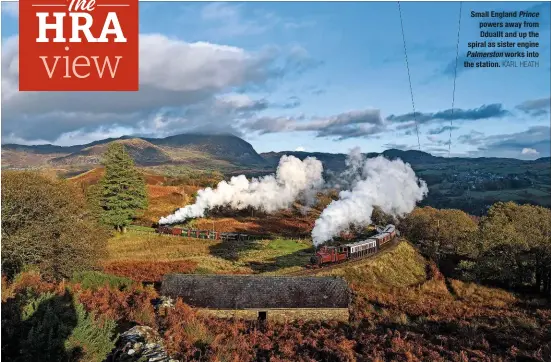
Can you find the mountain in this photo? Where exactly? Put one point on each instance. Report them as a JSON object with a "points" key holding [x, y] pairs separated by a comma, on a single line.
{"points": [[470, 184], [143, 152], [193, 149], [332, 161], [336, 161], [226, 147]]}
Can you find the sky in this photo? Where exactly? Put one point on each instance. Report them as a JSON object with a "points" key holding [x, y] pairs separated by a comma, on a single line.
{"points": [[319, 77]]}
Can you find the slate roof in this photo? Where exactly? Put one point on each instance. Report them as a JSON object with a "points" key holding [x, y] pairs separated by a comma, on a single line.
{"points": [[256, 292]]}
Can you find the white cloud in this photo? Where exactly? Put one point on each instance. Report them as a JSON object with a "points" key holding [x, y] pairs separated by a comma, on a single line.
{"points": [[529, 151], [172, 72], [352, 124], [300, 149], [536, 107], [527, 144], [241, 102], [175, 76]]}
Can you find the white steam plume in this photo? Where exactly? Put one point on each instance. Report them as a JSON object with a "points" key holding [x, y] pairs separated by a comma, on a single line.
{"points": [[294, 180], [391, 185]]}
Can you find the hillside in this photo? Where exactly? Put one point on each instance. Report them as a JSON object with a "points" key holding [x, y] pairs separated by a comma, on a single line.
{"points": [[145, 153], [469, 184], [399, 266], [225, 147], [200, 151], [402, 308]]}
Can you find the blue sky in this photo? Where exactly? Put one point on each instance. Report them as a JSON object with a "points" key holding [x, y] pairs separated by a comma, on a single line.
{"points": [[322, 77]]}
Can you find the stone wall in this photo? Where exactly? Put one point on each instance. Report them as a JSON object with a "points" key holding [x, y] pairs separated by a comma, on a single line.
{"points": [[281, 315], [140, 344]]}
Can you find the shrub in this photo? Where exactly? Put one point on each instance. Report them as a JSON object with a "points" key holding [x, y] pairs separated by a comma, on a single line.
{"points": [[185, 336], [53, 326], [45, 223], [96, 279], [131, 306], [95, 336], [29, 281]]}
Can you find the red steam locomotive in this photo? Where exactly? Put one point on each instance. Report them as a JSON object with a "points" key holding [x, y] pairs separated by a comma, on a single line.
{"points": [[336, 254]]}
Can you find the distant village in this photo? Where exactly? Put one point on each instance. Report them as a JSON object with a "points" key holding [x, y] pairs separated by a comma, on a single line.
{"points": [[487, 181]]}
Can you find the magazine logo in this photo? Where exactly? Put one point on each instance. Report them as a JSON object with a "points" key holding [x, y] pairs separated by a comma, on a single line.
{"points": [[78, 45]]}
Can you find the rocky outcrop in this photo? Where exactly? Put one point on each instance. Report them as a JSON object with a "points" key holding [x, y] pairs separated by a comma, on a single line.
{"points": [[142, 344]]}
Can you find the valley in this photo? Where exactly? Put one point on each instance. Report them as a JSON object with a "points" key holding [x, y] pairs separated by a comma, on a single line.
{"points": [[470, 184]]}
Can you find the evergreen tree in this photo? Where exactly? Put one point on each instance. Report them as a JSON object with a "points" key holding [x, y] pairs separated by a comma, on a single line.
{"points": [[122, 191]]}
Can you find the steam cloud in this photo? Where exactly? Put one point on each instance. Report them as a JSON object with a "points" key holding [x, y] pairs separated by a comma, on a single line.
{"points": [[294, 180], [391, 185]]}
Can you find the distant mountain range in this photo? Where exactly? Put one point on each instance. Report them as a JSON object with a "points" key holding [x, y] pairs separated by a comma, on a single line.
{"points": [[179, 149], [198, 149], [470, 184]]}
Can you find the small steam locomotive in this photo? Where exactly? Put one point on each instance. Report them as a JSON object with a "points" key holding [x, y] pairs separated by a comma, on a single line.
{"points": [[336, 254]]}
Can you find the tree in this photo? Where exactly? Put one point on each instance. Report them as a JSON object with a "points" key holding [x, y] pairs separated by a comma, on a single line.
{"points": [[123, 192], [45, 223], [379, 217], [440, 233], [93, 200], [515, 247]]}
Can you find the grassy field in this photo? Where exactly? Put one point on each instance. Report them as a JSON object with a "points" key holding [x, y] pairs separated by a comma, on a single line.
{"points": [[399, 266], [212, 256]]}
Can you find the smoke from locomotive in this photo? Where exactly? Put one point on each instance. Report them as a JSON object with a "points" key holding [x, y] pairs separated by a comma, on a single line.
{"points": [[391, 185], [294, 180]]}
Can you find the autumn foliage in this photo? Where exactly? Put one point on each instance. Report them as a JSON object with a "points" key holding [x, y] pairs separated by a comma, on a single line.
{"points": [[436, 320], [127, 307], [46, 225]]}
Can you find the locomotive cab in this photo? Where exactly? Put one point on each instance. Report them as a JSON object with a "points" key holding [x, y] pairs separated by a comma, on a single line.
{"points": [[314, 260]]}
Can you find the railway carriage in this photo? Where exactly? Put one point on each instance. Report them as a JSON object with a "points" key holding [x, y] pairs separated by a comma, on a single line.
{"points": [[336, 254], [204, 234], [363, 248], [325, 255]]}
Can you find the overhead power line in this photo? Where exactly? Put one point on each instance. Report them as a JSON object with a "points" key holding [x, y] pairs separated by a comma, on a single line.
{"points": [[455, 78], [409, 78]]}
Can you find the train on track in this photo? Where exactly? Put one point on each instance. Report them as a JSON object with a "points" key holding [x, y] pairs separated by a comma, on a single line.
{"points": [[337, 254], [324, 256], [206, 234]]}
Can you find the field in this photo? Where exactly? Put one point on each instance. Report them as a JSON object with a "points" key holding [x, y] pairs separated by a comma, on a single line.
{"points": [[211, 256]]}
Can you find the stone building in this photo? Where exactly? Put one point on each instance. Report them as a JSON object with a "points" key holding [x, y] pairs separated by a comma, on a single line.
{"points": [[274, 298]]}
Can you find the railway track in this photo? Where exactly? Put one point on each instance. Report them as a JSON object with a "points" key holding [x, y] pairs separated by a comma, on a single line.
{"points": [[385, 248]]}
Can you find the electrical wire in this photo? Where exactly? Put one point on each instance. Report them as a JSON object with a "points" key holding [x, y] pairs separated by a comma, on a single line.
{"points": [[454, 79], [409, 78]]}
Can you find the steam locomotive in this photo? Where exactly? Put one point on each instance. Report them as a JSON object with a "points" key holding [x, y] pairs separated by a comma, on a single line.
{"points": [[204, 234], [336, 254]]}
